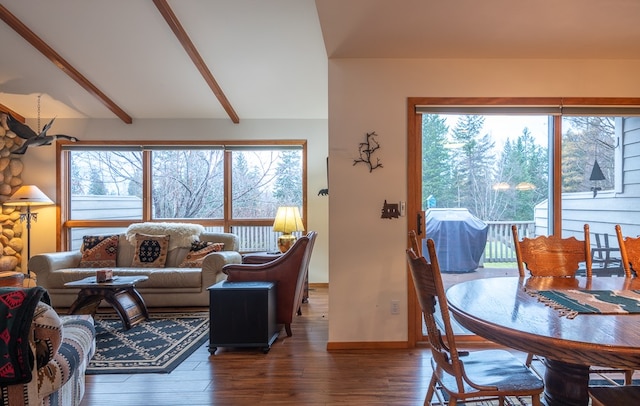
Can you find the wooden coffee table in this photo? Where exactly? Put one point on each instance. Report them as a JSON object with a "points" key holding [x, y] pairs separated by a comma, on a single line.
{"points": [[120, 293]]}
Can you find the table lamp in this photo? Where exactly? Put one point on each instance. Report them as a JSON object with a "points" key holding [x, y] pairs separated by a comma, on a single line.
{"points": [[28, 195], [287, 221]]}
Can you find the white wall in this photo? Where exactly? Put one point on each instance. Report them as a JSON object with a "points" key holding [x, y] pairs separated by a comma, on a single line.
{"points": [[367, 265], [40, 164]]}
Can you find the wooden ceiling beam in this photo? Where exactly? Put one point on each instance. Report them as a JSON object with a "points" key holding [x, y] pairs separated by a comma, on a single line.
{"points": [[61, 63], [5, 109], [184, 39]]}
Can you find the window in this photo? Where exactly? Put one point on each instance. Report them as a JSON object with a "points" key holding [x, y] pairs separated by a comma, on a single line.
{"points": [[224, 187]]}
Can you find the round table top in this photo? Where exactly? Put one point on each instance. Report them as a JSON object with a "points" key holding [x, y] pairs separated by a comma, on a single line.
{"points": [[501, 310]]}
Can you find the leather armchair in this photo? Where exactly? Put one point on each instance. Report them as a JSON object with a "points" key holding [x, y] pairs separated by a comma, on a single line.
{"points": [[288, 271]]}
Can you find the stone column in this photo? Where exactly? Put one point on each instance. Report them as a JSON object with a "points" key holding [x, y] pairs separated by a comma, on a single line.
{"points": [[11, 243]]}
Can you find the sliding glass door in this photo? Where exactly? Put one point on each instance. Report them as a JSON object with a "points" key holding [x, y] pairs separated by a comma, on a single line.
{"points": [[479, 166]]}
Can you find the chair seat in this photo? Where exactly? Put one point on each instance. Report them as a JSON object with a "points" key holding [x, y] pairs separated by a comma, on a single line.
{"points": [[614, 395], [494, 368]]}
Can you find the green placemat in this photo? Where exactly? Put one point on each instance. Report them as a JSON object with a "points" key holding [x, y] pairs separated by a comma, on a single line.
{"points": [[570, 303]]}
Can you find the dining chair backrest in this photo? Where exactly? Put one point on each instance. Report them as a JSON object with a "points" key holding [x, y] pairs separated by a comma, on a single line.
{"points": [[415, 244], [629, 252], [427, 280], [552, 255]]}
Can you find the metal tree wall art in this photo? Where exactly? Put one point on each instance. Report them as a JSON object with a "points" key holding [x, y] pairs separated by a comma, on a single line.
{"points": [[366, 150]]}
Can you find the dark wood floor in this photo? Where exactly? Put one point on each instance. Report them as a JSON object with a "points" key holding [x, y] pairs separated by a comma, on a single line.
{"points": [[297, 371]]}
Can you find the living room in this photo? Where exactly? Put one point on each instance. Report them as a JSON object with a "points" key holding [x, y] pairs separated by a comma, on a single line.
{"points": [[364, 88]]}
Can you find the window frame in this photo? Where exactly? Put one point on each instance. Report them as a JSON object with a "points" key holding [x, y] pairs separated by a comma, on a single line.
{"points": [[63, 172]]}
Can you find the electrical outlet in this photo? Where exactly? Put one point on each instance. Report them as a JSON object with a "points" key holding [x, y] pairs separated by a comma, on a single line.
{"points": [[395, 307]]}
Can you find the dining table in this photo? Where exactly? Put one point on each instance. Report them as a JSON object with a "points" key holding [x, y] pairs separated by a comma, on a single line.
{"points": [[508, 311]]}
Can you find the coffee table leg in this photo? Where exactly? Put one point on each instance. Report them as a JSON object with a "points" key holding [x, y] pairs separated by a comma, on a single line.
{"points": [[129, 305], [87, 302], [565, 384]]}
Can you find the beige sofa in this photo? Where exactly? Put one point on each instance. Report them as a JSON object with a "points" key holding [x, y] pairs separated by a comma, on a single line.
{"points": [[169, 286]]}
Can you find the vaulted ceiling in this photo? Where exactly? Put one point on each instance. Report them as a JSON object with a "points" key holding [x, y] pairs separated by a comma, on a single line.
{"points": [[269, 58]]}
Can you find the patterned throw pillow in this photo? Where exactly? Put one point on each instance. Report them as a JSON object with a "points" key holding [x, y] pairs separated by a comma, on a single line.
{"points": [[199, 250], [151, 251], [99, 251]]}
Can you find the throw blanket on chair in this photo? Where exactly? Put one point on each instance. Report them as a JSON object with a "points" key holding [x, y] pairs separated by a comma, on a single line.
{"points": [[17, 307], [180, 234]]}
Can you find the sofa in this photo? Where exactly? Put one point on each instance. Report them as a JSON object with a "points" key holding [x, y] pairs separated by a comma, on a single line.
{"points": [[171, 284], [57, 351]]}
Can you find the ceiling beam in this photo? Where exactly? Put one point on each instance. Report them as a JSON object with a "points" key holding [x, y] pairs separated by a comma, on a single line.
{"points": [[5, 109], [184, 39], [24, 31]]}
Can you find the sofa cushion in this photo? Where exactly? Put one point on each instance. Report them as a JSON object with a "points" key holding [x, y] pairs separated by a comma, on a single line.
{"points": [[99, 251], [151, 251], [199, 250]]}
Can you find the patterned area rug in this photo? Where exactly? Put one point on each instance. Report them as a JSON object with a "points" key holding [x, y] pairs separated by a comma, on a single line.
{"points": [[156, 345]]}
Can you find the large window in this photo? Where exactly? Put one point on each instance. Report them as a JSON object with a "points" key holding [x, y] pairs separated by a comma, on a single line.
{"points": [[225, 187]]}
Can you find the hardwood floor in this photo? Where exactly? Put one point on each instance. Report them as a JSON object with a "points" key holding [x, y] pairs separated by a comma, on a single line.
{"points": [[298, 370]]}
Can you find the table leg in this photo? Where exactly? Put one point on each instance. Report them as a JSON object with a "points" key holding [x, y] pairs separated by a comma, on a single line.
{"points": [[565, 384], [129, 305], [87, 302]]}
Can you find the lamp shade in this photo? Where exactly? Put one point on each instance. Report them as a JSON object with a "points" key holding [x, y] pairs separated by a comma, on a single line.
{"points": [[28, 195], [288, 220]]}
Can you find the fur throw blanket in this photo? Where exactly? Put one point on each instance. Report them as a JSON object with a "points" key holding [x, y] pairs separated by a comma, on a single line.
{"points": [[180, 234]]}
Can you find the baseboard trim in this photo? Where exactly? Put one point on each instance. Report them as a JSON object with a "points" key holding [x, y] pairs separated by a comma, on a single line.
{"points": [[367, 345], [318, 285]]}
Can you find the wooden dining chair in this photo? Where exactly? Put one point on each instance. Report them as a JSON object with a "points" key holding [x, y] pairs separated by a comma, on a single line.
{"points": [[614, 395], [629, 252], [415, 244], [469, 376], [552, 255]]}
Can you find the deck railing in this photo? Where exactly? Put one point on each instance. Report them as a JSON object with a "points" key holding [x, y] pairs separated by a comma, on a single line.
{"points": [[499, 246]]}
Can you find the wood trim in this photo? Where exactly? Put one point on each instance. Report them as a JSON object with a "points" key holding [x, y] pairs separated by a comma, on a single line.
{"points": [[184, 39], [556, 185], [60, 62], [5, 109], [414, 197], [366, 345]]}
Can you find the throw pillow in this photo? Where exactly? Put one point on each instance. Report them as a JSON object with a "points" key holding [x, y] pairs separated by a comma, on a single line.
{"points": [[151, 251], [199, 250], [99, 251], [47, 333]]}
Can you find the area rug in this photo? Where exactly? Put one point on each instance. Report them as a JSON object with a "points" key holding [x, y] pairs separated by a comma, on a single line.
{"points": [[157, 345]]}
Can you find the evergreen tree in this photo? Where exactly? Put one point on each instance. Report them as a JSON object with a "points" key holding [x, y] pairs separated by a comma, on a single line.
{"points": [[288, 182], [437, 176], [97, 187], [475, 165]]}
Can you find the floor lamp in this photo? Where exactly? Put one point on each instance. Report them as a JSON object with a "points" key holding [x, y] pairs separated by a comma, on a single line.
{"points": [[28, 196]]}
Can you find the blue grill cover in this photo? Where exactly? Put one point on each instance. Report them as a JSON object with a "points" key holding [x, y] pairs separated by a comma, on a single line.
{"points": [[459, 237]]}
